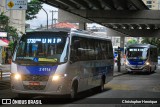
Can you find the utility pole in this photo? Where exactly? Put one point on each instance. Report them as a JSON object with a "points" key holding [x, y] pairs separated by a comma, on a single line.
{"points": [[53, 11], [46, 15], [119, 59], [55, 20]]}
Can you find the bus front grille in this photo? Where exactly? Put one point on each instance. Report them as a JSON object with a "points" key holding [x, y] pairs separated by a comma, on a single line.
{"points": [[30, 87], [34, 78]]}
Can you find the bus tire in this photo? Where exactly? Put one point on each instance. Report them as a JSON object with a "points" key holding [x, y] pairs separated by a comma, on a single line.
{"points": [[154, 69], [150, 70], [101, 87], [73, 93]]}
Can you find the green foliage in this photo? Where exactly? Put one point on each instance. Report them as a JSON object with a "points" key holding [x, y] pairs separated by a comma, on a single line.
{"points": [[34, 6], [11, 31], [4, 20], [152, 41], [132, 41], [11, 46]]}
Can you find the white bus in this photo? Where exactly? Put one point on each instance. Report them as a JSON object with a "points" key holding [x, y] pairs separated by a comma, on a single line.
{"points": [[59, 62], [141, 58]]}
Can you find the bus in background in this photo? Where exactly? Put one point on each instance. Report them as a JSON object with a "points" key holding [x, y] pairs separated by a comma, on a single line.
{"points": [[141, 57], [115, 52], [59, 62]]}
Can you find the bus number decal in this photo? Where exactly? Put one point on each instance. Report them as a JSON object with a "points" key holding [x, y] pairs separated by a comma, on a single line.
{"points": [[44, 69]]}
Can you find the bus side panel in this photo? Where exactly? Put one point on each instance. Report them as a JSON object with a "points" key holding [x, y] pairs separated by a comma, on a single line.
{"points": [[77, 72], [89, 73]]}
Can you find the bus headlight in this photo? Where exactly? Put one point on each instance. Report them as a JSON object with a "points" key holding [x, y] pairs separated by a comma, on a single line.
{"points": [[147, 63], [17, 76], [57, 77], [126, 62]]}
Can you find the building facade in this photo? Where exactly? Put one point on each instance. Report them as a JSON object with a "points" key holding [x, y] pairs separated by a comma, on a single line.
{"points": [[17, 17], [152, 4]]}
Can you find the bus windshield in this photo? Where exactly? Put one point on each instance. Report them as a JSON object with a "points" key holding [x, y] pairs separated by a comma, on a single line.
{"points": [[44, 48], [137, 52]]}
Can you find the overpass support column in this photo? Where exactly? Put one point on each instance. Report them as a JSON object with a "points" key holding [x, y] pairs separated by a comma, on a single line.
{"points": [[122, 41], [82, 25]]}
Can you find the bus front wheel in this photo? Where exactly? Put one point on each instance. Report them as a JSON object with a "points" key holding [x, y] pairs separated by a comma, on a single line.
{"points": [[73, 93], [150, 70]]}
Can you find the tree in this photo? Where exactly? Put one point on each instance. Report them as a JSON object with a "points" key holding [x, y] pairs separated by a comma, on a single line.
{"points": [[132, 41], [11, 31], [34, 6], [4, 20], [152, 41]]}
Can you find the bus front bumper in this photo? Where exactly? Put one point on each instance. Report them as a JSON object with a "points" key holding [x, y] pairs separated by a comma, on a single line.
{"points": [[41, 87], [137, 68]]}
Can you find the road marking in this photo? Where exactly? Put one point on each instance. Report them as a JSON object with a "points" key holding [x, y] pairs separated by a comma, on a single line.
{"points": [[156, 88], [118, 86]]}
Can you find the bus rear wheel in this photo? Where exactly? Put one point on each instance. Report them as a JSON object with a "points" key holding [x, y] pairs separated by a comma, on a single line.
{"points": [[101, 87]]}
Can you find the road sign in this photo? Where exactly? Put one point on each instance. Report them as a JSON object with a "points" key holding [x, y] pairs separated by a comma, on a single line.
{"points": [[3, 34], [16, 4]]}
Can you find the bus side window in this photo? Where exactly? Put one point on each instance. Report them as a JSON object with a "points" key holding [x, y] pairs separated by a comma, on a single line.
{"points": [[153, 54], [74, 49]]}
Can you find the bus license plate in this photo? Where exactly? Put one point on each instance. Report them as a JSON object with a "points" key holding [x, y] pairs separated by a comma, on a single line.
{"points": [[34, 83]]}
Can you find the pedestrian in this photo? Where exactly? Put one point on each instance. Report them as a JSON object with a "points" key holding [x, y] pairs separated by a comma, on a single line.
{"points": [[6, 58], [3, 56]]}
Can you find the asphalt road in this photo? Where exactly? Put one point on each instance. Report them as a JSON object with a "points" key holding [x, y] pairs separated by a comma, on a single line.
{"points": [[139, 85]]}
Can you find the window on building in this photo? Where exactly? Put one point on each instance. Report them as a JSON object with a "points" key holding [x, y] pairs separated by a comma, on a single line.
{"points": [[149, 6], [149, 2]]}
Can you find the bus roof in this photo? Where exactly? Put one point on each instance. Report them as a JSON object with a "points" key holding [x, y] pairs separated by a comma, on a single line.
{"points": [[82, 33], [141, 45]]}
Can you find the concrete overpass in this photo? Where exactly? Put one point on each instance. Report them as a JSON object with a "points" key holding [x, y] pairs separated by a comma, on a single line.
{"points": [[121, 17], [108, 13]]}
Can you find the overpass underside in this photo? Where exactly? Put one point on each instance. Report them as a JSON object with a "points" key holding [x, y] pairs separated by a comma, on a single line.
{"points": [[121, 17]]}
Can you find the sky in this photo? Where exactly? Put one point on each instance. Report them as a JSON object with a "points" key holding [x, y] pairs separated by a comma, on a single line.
{"points": [[42, 18]]}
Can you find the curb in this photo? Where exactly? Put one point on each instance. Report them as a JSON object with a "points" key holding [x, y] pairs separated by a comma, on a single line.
{"points": [[116, 75]]}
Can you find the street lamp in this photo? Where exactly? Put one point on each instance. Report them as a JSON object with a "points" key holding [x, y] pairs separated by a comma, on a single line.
{"points": [[47, 17]]}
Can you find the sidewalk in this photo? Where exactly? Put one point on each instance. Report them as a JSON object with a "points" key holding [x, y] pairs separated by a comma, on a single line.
{"points": [[116, 73], [5, 67]]}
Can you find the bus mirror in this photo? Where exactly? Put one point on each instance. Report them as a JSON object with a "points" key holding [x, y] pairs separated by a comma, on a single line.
{"points": [[71, 46], [73, 59], [73, 56], [76, 44]]}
